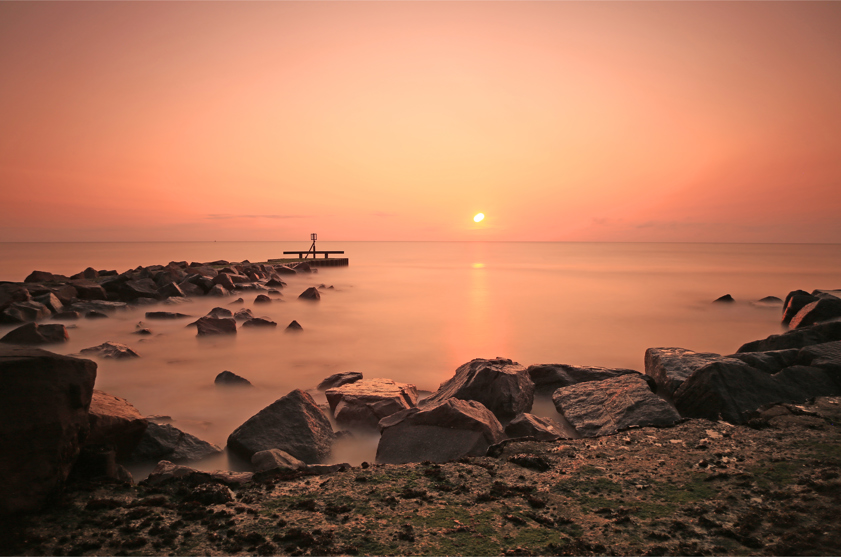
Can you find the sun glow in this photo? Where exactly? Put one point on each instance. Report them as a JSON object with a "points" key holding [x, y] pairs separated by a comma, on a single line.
{"points": [[479, 217]]}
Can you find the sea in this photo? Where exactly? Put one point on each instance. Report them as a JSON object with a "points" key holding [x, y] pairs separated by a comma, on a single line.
{"points": [[415, 311]]}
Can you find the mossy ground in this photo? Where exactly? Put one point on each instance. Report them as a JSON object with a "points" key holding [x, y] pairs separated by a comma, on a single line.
{"points": [[699, 488]]}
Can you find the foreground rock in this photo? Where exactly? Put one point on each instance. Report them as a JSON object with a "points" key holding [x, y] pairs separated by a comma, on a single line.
{"points": [[502, 386], [112, 350], [824, 309], [212, 326], [548, 378], [33, 334], [166, 470], [816, 334], [439, 432], [44, 406], [231, 379], [529, 425], [599, 408], [294, 424], [115, 422], [339, 379], [670, 367], [166, 442], [362, 404], [275, 458]]}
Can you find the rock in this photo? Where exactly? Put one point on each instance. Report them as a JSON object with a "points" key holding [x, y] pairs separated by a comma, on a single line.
{"points": [[51, 301], [210, 494], [259, 322], [114, 350], [310, 293], [141, 288], [819, 311], [142, 332], [339, 379], [277, 292], [43, 276], [33, 334], [771, 361], [439, 432], [324, 469], [364, 403], [794, 302], [66, 316], [165, 315], [726, 299], [217, 290], [89, 291], [93, 314], [770, 300], [212, 326], [22, 312], [65, 293], [502, 386], [229, 378], [115, 422], [43, 420], [224, 280], [275, 283], [285, 270], [598, 408], [293, 423], [237, 301], [219, 313], [275, 458], [190, 289], [672, 366], [262, 299], [171, 290], [98, 305], [243, 314], [163, 441], [97, 462], [166, 470], [548, 378], [529, 425], [798, 338], [293, 327]]}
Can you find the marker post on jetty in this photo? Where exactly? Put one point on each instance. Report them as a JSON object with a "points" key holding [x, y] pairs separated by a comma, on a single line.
{"points": [[303, 256]]}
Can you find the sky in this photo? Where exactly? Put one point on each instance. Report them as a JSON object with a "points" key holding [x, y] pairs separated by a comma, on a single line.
{"points": [[560, 121]]}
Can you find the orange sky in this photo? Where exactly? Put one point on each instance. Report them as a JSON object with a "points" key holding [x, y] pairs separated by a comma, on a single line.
{"points": [[632, 121]]}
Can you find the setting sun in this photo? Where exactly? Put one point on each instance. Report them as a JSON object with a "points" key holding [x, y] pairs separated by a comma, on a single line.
{"points": [[479, 217]]}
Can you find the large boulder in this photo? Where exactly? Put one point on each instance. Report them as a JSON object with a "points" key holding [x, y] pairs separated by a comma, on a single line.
{"points": [[112, 350], [33, 334], [798, 338], [21, 312], [339, 379], [294, 424], [529, 425], [823, 309], [166, 442], [364, 403], [213, 326], [502, 386], [548, 378], [311, 294], [794, 302], [440, 432], [114, 421], [597, 408], [672, 366], [43, 421]]}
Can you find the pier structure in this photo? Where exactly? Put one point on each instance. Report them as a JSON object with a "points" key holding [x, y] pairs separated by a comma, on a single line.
{"points": [[304, 256]]}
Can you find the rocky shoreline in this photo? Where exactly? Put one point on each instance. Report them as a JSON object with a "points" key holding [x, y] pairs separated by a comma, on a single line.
{"points": [[672, 460]]}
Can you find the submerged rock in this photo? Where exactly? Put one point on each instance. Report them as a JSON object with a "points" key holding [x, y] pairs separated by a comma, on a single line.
{"points": [[293, 327], [443, 431], [21, 312], [243, 314], [262, 299], [726, 299], [310, 293], [33, 334], [212, 326], [229, 378], [294, 424], [259, 322], [114, 350], [165, 315]]}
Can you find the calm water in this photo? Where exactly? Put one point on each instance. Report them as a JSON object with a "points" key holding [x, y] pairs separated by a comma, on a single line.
{"points": [[414, 312]]}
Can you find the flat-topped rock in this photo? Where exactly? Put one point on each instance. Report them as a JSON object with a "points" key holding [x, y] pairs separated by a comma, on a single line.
{"points": [[598, 408], [275, 458], [212, 326], [21, 312], [670, 367], [34, 334], [165, 315], [548, 378], [364, 403]]}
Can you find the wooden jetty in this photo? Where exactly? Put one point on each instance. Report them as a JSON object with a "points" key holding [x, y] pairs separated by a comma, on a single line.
{"points": [[304, 256]]}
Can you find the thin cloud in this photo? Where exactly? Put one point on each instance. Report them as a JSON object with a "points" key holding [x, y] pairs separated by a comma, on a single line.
{"points": [[221, 216]]}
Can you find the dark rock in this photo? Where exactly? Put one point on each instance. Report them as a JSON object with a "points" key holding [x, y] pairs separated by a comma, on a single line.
{"points": [[239, 279], [115, 422], [93, 314], [364, 403], [107, 273], [43, 420], [218, 290], [769, 362], [275, 458], [244, 314], [224, 280], [798, 338], [220, 313], [210, 494], [229, 378], [439, 432], [529, 425], [726, 299], [97, 305], [770, 300], [43, 276], [275, 283], [794, 302], [237, 301], [310, 293], [65, 293], [302, 267], [293, 327], [97, 462], [212, 326], [672, 366], [165, 315], [826, 356], [66, 316], [284, 270], [141, 288], [605, 407], [191, 289], [21, 312], [51, 301], [259, 322], [262, 299], [33, 334], [143, 332], [89, 291], [114, 350], [819, 311], [501, 385], [275, 292], [294, 424], [163, 441], [548, 378], [90, 273], [339, 379], [171, 290]]}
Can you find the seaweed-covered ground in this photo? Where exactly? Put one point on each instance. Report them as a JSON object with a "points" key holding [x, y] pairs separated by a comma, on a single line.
{"points": [[698, 488]]}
